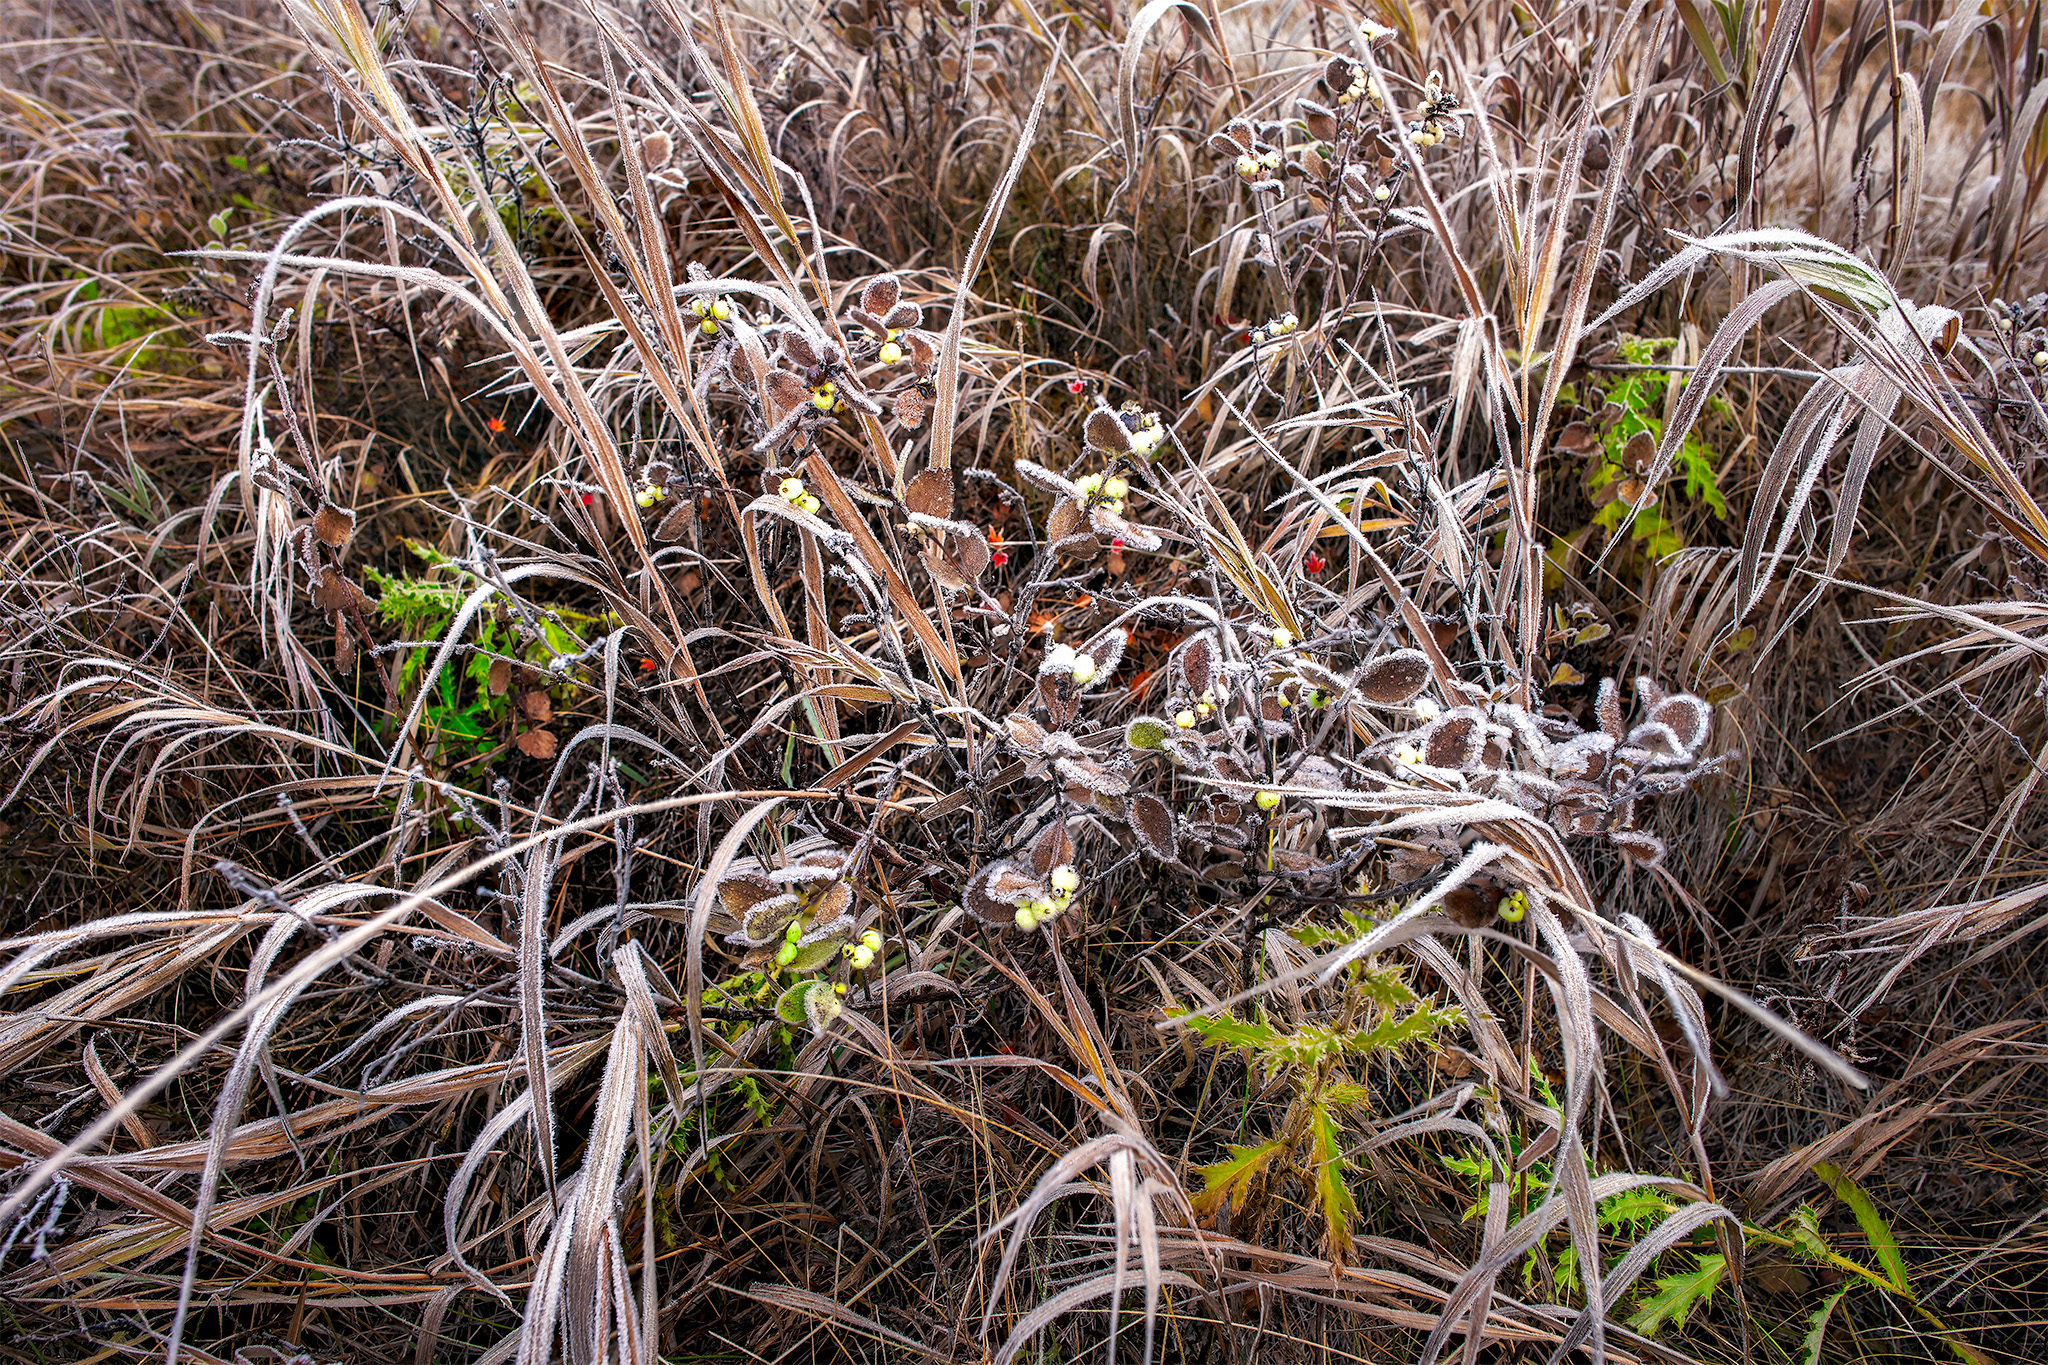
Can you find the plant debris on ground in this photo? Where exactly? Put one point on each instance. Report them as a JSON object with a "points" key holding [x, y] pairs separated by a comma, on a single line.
{"points": [[939, 681]]}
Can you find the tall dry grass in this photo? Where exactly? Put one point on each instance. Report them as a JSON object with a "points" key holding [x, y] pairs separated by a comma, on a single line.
{"points": [[475, 581]]}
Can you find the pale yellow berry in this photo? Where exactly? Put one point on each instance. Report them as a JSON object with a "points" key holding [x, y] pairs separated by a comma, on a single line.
{"points": [[1267, 800], [1065, 878], [1185, 720], [892, 354], [1118, 488], [721, 310], [1084, 669], [792, 489], [1382, 194], [708, 327], [1282, 637], [1247, 166]]}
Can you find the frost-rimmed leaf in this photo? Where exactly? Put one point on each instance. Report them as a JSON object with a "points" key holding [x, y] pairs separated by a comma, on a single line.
{"points": [[1153, 823], [1393, 679], [1687, 717], [1105, 433], [1051, 848], [1147, 732], [931, 494], [994, 893], [1198, 663], [1639, 844], [789, 1006]]}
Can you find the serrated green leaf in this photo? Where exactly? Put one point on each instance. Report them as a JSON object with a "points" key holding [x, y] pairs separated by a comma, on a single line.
{"points": [[1677, 1295], [1806, 1238], [1810, 1348], [1326, 1148], [1634, 1209], [1875, 1229], [1228, 1032], [1231, 1178]]}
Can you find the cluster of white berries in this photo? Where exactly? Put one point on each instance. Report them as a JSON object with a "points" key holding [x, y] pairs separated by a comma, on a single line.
{"points": [[1426, 710], [1359, 89], [1278, 327], [1081, 667], [1204, 707], [1064, 881], [1109, 494], [862, 954], [1256, 166], [711, 312], [794, 492], [1151, 431], [1426, 133], [825, 397]]}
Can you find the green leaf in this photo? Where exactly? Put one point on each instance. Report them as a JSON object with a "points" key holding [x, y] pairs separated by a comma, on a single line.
{"points": [[1147, 732], [1634, 1210], [1231, 1178], [790, 1007], [1879, 1233], [1811, 1346], [1806, 1238], [1677, 1295], [1326, 1148], [1228, 1032]]}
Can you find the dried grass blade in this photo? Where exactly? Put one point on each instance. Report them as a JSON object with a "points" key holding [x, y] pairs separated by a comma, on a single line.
{"points": [[946, 401]]}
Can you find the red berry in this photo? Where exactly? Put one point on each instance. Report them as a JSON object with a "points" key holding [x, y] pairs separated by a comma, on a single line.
{"points": [[1075, 386], [589, 498], [1116, 544]]}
